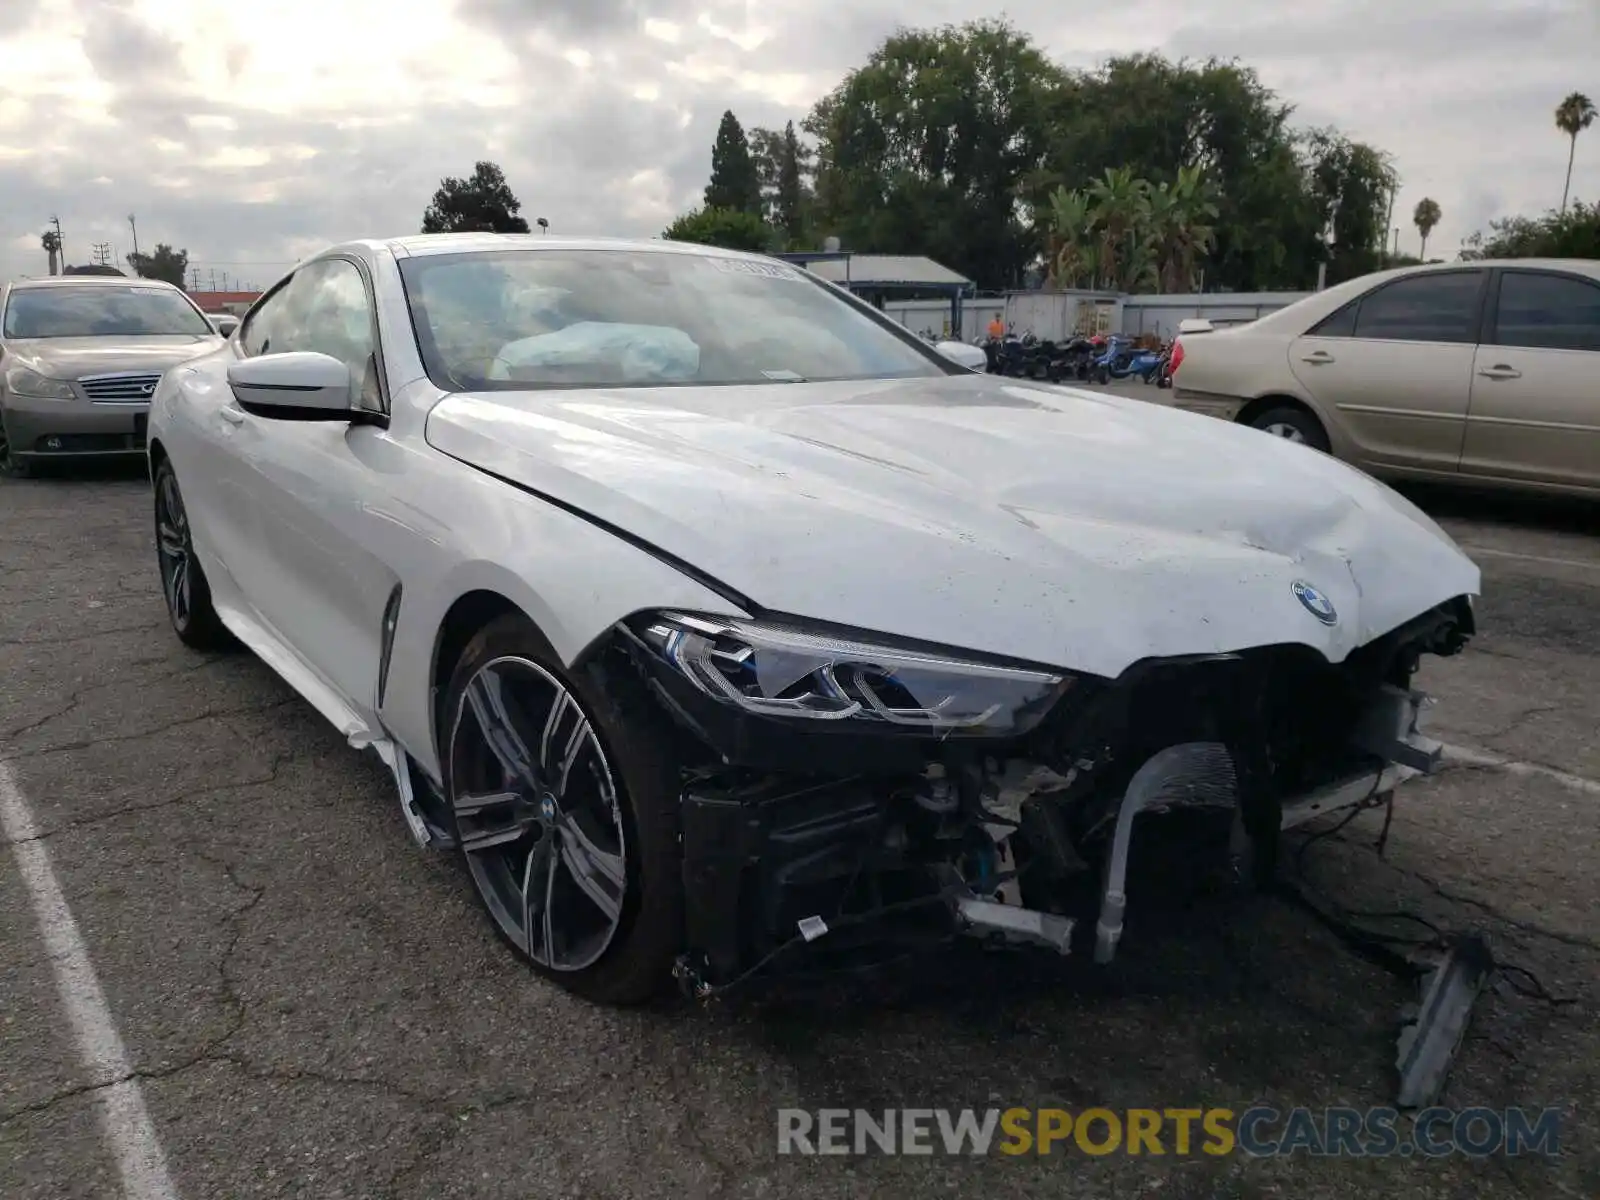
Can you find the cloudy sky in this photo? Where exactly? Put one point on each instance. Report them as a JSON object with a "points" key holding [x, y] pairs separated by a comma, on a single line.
{"points": [[254, 133]]}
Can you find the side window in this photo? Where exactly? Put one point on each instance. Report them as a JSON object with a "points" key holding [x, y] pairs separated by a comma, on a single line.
{"points": [[262, 332], [1341, 323], [338, 322], [1547, 312], [1436, 307]]}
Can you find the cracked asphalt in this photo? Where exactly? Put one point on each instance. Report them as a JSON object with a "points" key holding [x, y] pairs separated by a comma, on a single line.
{"points": [[315, 1008]]}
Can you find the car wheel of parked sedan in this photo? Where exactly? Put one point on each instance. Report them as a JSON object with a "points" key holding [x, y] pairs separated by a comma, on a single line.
{"points": [[15, 467], [1294, 424], [183, 582], [563, 796]]}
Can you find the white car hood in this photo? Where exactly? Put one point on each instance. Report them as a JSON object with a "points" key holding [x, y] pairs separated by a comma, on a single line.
{"points": [[1058, 526]]}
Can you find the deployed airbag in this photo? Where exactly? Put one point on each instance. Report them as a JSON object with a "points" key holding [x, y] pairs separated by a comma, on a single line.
{"points": [[602, 352]]}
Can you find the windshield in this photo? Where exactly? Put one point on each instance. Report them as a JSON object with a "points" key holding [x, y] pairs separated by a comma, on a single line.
{"points": [[101, 311], [523, 319]]}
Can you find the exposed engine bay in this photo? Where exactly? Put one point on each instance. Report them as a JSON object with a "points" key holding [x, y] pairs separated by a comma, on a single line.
{"points": [[836, 846]]}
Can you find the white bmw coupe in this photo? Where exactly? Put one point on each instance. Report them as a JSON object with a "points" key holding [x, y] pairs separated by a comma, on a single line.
{"points": [[721, 623]]}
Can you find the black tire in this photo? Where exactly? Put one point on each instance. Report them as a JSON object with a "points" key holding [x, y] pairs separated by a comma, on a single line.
{"points": [[648, 937], [17, 468], [1274, 421], [188, 597]]}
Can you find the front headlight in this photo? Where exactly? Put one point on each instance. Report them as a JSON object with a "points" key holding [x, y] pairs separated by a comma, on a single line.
{"points": [[773, 670], [21, 381]]}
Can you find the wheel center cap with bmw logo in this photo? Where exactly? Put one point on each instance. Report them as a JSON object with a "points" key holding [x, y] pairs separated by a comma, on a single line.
{"points": [[1314, 602], [547, 807]]}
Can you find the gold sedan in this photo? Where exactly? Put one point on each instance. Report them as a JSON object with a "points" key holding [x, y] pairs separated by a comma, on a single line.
{"points": [[1481, 372]]}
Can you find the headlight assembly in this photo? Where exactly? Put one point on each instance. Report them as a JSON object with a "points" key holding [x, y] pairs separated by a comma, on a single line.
{"points": [[21, 381], [781, 671]]}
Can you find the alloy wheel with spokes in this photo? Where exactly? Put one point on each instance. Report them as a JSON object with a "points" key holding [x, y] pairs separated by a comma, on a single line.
{"points": [[538, 813], [172, 550], [183, 580], [1293, 424]]}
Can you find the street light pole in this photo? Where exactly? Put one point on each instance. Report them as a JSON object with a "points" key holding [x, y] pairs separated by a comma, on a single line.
{"points": [[133, 225]]}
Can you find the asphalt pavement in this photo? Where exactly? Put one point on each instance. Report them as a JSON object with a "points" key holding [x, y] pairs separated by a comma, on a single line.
{"points": [[306, 1005]]}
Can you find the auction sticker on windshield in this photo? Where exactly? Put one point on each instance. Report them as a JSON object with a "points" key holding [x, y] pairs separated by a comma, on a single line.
{"points": [[737, 266]]}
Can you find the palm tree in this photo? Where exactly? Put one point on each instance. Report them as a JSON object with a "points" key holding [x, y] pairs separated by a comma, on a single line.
{"points": [[1426, 218], [1071, 255], [1121, 208], [1188, 234], [1573, 115]]}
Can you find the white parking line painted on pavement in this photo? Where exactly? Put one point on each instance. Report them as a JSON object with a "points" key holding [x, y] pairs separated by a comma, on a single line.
{"points": [[1477, 758], [1546, 559], [128, 1128]]}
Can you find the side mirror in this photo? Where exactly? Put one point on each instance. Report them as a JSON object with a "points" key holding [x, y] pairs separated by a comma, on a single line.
{"points": [[301, 385], [971, 357]]}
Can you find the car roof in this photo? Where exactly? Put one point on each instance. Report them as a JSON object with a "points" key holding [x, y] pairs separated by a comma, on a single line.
{"points": [[45, 281], [1581, 266], [421, 244]]}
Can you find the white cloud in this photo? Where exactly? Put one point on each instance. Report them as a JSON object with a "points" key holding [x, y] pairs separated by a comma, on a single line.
{"points": [[253, 134]]}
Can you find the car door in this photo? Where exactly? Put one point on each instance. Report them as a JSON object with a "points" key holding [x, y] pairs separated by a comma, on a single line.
{"points": [[1535, 412], [315, 487], [213, 464], [1395, 364]]}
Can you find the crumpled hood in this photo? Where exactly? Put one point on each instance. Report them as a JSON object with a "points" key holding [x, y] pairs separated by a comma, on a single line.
{"points": [[1063, 527], [73, 358]]}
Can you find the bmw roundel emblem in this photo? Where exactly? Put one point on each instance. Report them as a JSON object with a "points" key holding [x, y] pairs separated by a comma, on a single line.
{"points": [[1314, 602], [547, 808]]}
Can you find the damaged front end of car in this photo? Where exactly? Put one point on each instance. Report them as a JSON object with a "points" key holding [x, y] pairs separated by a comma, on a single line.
{"points": [[847, 798]]}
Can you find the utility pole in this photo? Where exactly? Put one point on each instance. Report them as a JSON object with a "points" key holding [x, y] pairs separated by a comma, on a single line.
{"points": [[134, 226], [224, 281], [194, 279], [61, 245], [213, 279]]}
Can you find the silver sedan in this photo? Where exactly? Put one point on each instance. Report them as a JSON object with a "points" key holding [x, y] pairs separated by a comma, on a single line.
{"points": [[80, 358]]}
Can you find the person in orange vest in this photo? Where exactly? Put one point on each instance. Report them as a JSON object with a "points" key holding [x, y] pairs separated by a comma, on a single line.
{"points": [[997, 327]]}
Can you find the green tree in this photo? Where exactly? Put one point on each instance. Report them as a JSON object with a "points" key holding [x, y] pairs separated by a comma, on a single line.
{"points": [[1122, 224], [1181, 214], [1069, 252], [1350, 183], [94, 269], [1426, 218], [1573, 115], [481, 203], [1158, 117], [1572, 233], [785, 167], [735, 184], [163, 263], [928, 147], [730, 228]]}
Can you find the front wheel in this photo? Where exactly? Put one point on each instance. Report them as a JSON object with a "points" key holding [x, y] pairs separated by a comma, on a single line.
{"points": [[1293, 424], [183, 581], [563, 796]]}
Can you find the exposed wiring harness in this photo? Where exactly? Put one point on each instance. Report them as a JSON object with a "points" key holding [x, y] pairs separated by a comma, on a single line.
{"points": [[1401, 954]]}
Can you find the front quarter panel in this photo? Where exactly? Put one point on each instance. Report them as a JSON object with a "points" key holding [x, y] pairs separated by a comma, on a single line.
{"points": [[472, 532]]}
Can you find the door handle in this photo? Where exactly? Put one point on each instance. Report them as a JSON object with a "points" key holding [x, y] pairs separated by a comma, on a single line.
{"points": [[1318, 358], [1500, 371], [231, 415]]}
